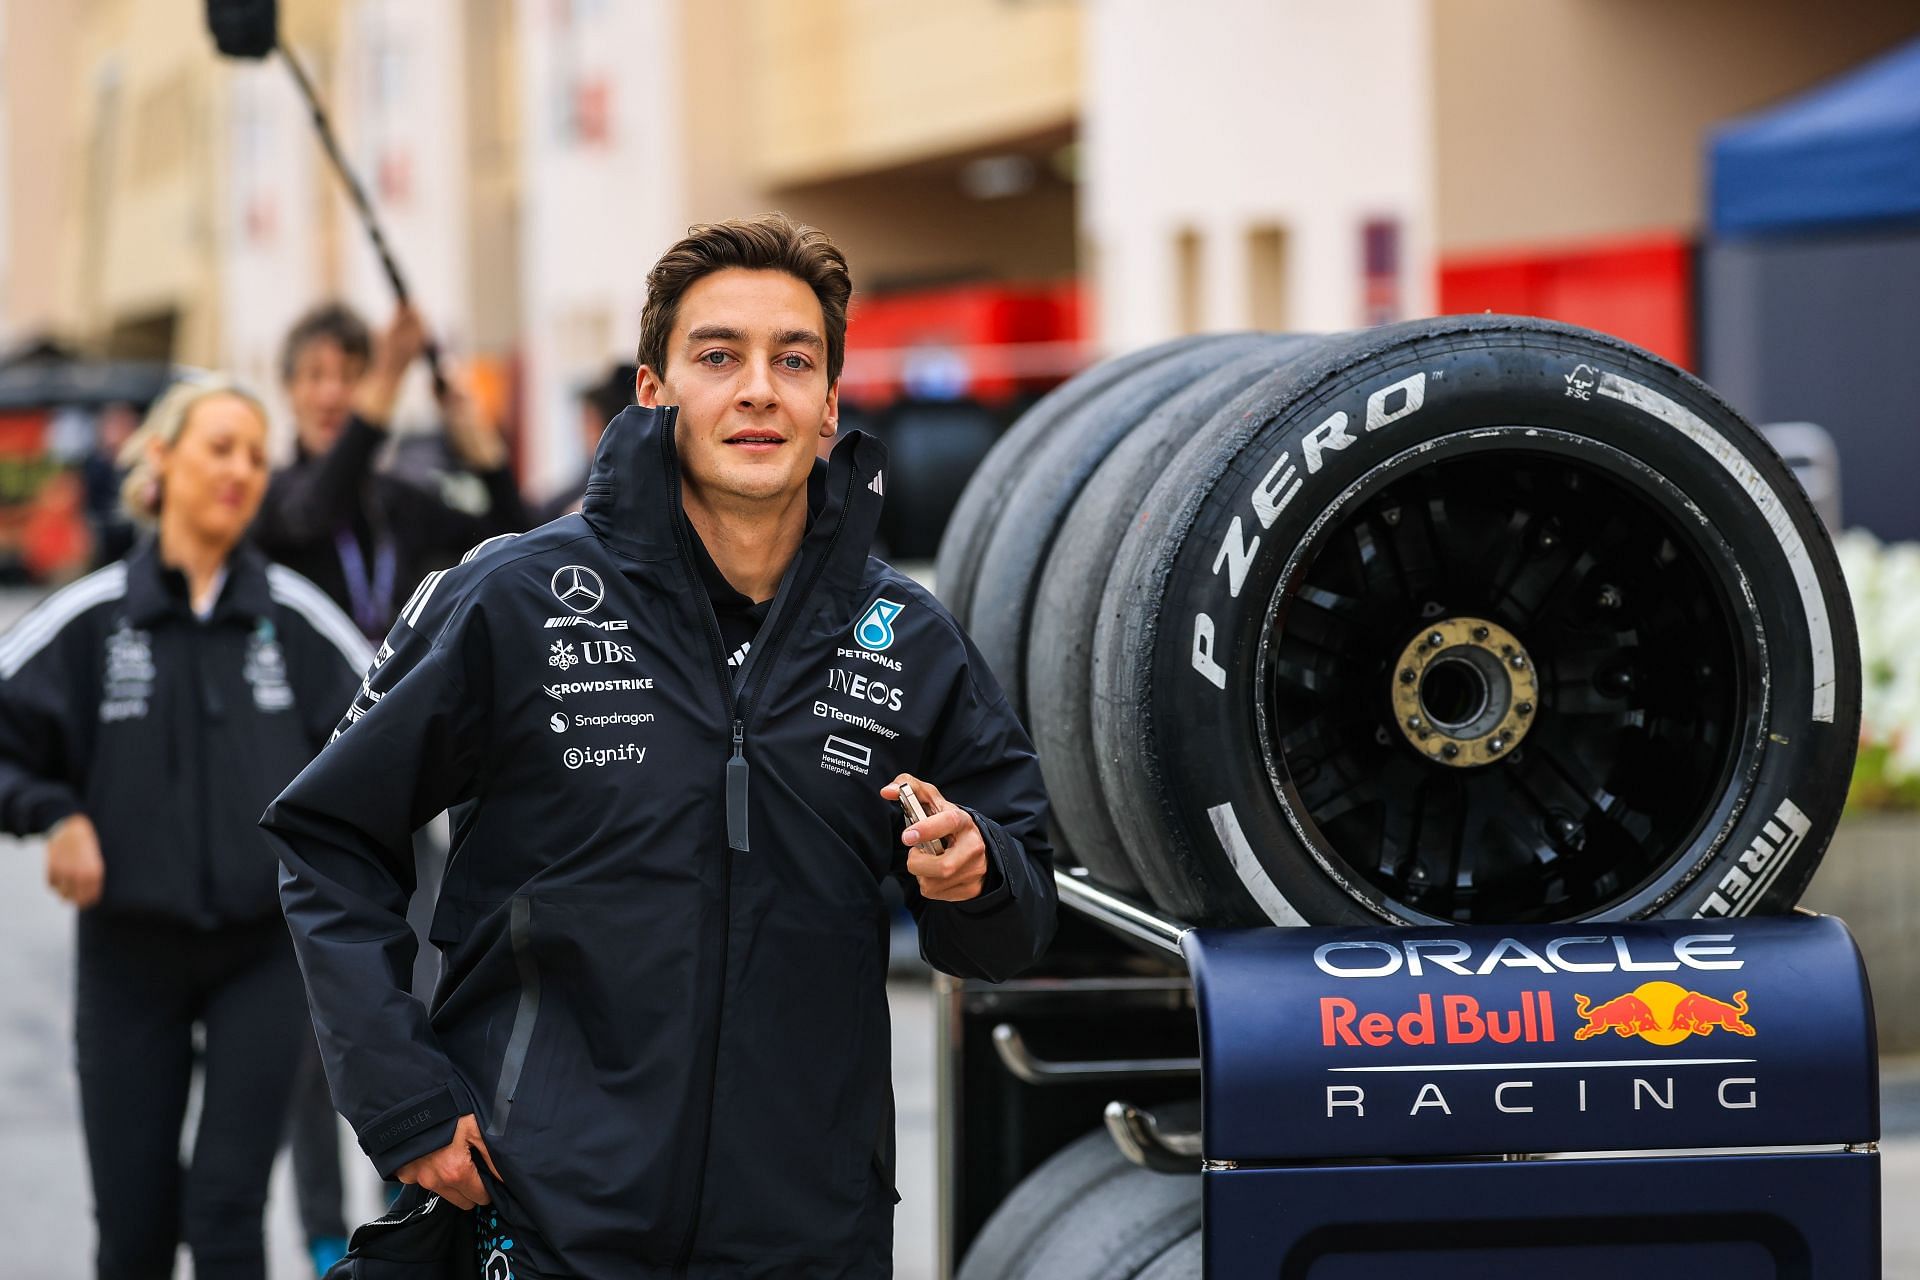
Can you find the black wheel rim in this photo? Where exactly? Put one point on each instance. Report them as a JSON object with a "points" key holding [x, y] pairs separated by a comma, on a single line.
{"points": [[1631, 611]]}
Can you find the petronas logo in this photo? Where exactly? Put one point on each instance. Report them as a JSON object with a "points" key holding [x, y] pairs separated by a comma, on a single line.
{"points": [[875, 629]]}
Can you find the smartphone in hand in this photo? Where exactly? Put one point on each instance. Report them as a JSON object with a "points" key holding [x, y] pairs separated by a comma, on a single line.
{"points": [[915, 812]]}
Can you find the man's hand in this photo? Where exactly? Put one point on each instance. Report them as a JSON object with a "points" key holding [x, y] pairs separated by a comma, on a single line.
{"points": [[394, 351], [474, 436], [957, 874], [75, 869], [450, 1172]]}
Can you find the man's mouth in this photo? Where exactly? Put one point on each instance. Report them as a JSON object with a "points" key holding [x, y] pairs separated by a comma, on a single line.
{"points": [[756, 441]]}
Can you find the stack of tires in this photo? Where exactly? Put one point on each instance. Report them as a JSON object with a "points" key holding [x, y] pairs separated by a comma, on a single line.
{"points": [[1473, 619]]}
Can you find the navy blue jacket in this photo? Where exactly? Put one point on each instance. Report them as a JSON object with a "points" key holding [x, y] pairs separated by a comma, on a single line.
{"points": [[168, 731], [665, 947]]}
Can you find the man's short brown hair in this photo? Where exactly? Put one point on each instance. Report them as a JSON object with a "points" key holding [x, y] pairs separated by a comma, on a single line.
{"points": [[333, 322], [770, 242]]}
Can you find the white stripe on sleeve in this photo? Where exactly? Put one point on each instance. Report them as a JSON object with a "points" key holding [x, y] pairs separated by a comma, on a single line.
{"points": [[322, 614], [35, 631]]}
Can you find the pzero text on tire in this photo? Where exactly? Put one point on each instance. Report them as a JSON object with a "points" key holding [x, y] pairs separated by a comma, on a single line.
{"points": [[1470, 619]]}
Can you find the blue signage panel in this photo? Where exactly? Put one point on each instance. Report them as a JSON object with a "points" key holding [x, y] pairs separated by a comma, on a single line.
{"points": [[1600, 1036]]}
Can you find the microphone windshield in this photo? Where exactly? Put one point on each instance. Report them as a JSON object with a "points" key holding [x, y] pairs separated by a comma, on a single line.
{"points": [[243, 28]]}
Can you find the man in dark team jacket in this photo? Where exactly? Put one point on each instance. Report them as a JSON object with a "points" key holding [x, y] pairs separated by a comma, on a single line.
{"points": [[660, 1045]]}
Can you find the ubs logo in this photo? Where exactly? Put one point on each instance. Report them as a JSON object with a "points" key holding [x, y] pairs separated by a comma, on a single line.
{"points": [[603, 652]]}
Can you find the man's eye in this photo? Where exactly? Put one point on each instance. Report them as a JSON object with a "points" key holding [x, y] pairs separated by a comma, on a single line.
{"points": [[795, 363], [714, 358]]}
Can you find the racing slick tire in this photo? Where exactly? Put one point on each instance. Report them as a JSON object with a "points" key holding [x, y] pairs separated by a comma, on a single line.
{"points": [[978, 512], [1052, 473], [1086, 1214], [1474, 619], [1060, 615]]}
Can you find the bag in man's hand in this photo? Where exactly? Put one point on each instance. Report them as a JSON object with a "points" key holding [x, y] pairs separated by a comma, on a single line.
{"points": [[422, 1237]]}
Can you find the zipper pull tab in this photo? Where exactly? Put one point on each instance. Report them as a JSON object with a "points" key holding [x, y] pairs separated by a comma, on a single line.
{"points": [[737, 773]]}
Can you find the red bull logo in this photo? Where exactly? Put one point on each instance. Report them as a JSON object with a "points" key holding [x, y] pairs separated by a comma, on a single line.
{"points": [[1662, 1013]]}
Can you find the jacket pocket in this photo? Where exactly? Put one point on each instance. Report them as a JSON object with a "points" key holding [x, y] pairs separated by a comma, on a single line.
{"points": [[526, 1012]]}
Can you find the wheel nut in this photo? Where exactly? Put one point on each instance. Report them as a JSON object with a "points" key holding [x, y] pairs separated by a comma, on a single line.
{"points": [[1415, 722], [1519, 661], [1406, 675], [1480, 633], [1435, 639], [1450, 751], [1496, 746], [1609, 597], [1525, 708]]}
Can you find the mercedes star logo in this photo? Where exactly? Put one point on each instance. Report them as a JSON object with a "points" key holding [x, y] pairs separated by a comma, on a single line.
{"points": [[578, 587]]}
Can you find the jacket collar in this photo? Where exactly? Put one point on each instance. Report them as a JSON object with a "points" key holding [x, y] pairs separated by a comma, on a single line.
{"points": [[155, 591], [633, 495]]}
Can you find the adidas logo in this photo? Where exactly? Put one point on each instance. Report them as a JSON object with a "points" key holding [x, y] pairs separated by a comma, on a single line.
{"points": [[874, 485], [740, 654]]}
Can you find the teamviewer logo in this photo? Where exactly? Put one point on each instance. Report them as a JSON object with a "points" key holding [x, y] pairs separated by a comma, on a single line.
{"points": [[845, 756]]}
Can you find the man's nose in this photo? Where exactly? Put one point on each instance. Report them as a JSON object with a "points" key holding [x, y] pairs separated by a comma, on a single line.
{"points": [[756, 387]]}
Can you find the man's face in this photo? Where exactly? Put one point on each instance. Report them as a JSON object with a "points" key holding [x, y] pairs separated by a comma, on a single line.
{"points": [[747, 364], [320, 391]]}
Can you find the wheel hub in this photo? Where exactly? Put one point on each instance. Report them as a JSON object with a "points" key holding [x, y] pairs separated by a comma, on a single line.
{"points": [[1464, 692]]}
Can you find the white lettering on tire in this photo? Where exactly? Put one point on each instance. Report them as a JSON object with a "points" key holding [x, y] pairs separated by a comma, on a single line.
{"points": [[1278, 486], [1812, 600]]}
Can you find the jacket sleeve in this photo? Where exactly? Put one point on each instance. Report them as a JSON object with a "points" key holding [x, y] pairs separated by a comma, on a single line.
{"points": [[412, 743], [451, 531], [981, 760], [307, 502], [330, 659], [45, 706]]}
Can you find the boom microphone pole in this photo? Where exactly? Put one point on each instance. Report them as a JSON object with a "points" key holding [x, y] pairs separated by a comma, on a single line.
{"points": [[250, 29]]}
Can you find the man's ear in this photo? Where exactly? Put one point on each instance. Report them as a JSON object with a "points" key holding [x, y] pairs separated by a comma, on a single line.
{"points": [[831, 423], [648, 390]]}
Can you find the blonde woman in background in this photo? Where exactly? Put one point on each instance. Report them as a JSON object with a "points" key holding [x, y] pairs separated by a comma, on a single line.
{"points": [[148, 713]]}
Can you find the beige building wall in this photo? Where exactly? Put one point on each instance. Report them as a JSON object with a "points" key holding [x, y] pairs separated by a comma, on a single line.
{"points": [[844, 86], [494, 108], [37, 61], [137, 258], [1233, 164], [1556, 120], [863, 118]]}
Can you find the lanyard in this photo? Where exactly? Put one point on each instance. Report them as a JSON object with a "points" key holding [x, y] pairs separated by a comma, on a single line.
{"points": [[372, 600]]}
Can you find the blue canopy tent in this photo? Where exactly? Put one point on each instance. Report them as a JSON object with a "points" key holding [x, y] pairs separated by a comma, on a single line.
{"points": [[1810, 278], [1846, 153]]}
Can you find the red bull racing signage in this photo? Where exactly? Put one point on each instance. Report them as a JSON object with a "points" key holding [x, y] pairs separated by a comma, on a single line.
{"points": [[1471, 1041]]}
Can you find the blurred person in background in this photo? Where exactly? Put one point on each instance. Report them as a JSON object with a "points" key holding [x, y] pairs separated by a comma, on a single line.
{"points": [[102, 474], [147, 713], [600, 403], [366, 537]]}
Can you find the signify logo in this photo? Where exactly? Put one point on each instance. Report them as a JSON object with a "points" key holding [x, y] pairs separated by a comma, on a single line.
{"points": [[597, 757]]}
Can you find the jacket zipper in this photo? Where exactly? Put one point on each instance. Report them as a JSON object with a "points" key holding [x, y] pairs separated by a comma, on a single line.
{"points": [[739, 708]]}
